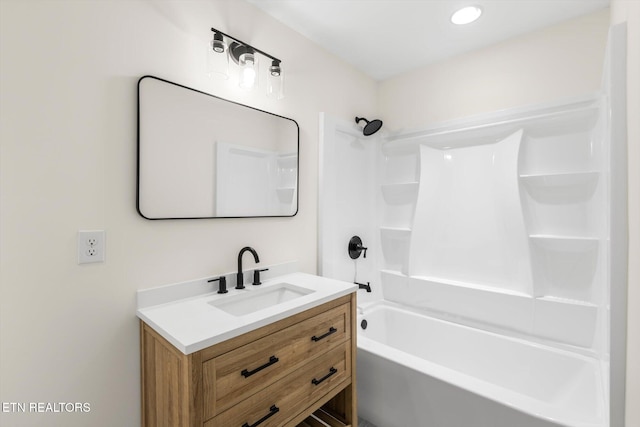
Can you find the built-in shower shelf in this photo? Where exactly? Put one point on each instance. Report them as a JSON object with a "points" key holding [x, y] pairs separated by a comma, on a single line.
{"points": [[395, 232], [562, 237], [561, 243], [568, 301], [568, 179], [395, 273], [401, 192], [467, 285], [395, 248]]}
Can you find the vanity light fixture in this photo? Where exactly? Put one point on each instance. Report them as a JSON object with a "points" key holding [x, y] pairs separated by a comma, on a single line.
{"points": [[466, 15], [246, 56]]}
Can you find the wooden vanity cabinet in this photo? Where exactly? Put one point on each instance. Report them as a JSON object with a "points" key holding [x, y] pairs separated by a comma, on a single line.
{"points": [[293, 372]]}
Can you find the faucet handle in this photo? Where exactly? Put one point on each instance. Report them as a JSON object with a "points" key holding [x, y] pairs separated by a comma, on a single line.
{"points": [[223, 284], [355, 248], [256, 276]]}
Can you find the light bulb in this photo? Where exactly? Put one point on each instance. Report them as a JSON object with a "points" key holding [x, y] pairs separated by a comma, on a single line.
{"points": [[248, 77], [248, 70]]}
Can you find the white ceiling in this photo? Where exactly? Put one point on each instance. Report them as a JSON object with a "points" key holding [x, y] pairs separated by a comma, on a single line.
{"points": [[384, 38]]}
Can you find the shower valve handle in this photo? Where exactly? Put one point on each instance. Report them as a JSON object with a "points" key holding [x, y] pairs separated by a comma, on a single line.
{"points": [[355, 248]]}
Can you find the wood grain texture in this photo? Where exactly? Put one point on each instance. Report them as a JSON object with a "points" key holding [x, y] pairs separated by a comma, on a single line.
{"points": [[291, 346], [291, 394], [206, 388], [223, 347]]}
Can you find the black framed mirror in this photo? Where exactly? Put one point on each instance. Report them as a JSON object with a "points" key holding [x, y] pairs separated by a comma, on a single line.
{"points": [[201, 156]]}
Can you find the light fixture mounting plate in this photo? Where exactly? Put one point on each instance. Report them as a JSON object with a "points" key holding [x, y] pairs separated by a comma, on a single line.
{"points": [[236, 50]]}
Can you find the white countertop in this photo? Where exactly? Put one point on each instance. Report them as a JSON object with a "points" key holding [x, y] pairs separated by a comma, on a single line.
{"points": [[192, 323]]}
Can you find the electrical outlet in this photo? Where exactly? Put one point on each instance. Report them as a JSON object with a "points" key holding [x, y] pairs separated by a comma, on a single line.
{"points": [[91, 246]]}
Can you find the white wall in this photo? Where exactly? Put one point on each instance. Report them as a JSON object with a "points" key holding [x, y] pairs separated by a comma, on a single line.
{"points": [[629, 11], [560, 61], [68, 161]]}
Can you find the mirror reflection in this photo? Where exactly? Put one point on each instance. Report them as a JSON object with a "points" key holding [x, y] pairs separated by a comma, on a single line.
{"points": [[200, 156]]}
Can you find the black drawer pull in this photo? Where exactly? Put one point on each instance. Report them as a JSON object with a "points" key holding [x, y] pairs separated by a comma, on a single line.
{"points": [[331, 372], [271, 361], [272, 411], [332, 330]]}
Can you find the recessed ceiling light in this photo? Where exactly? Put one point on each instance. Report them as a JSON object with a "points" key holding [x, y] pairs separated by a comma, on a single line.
{"points": [[466, 15]]}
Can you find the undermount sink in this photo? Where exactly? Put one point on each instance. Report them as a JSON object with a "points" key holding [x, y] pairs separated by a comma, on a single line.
{"points": [[255, 300]]}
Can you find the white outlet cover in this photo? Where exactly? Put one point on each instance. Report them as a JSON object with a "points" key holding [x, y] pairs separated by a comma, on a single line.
{"points": [[91, 246]]}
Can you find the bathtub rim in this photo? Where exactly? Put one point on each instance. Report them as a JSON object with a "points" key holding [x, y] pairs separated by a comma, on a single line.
{"points": [[498, 394]]}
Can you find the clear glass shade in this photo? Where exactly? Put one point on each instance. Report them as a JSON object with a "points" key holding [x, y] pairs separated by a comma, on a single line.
{"points": [[217, 59], [275, 84]]}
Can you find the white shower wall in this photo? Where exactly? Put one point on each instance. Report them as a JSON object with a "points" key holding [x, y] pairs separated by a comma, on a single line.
{"points": [[469, 225], [509, 229], [348, 202]]}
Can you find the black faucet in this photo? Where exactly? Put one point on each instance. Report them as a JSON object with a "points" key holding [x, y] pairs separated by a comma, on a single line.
{"points": [[240, 275], [367, 287]]}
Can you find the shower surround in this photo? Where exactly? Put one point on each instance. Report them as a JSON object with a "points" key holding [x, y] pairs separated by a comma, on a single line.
{"points": [[504, 226], [505, 223]]}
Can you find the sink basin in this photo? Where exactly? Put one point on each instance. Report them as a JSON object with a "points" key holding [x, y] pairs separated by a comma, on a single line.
{"points": [[260, 299]]}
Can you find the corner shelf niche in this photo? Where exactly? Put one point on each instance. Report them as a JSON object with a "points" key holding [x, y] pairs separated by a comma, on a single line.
{"points": [[399, 201], [400, 177], [562, 203], [564, 267], [395, 248], [558, 187]]}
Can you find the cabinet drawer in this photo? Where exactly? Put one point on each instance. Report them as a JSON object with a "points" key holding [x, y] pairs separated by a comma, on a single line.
{"points": [[284, 399], [230, 377]]}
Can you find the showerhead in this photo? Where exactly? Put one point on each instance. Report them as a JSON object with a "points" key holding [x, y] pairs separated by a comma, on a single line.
{"points": [[371, 127]]}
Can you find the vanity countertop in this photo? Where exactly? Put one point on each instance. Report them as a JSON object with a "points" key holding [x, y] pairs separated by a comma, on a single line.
{"points": [[196, 322]]}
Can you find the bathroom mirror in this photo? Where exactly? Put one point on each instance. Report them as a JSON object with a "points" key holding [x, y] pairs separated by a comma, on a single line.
{"points": [[201, 156]]}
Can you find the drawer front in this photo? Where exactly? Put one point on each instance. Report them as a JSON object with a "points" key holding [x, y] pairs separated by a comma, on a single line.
{"points": [[281, 401], [229, 378]]}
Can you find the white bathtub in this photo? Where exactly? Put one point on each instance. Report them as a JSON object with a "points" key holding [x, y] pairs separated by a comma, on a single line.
{"points": [[415, 370]]}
